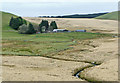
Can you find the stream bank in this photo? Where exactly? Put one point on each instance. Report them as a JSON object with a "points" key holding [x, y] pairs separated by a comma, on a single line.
{"points": [[107, 71], [79, 70]]}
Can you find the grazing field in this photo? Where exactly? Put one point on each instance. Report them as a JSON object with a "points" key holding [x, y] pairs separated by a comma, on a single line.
{"points": [[62, 65], [58, 56], [42, 44], [39, 44]]}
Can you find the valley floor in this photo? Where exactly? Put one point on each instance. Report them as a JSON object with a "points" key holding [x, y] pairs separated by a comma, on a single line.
{"points": [[62, 65], [31, 68]]}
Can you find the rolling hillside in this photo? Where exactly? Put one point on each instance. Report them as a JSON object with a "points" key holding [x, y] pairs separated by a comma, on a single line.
{"points": [[109, 16], [6, 19]]}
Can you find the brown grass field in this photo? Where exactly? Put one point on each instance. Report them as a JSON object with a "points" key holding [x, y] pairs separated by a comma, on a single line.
{"points": [[62, 65], [94, 25]]}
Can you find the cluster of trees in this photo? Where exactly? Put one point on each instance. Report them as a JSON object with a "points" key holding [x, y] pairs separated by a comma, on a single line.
{"points": [[21, 25], [16, 22], [45, 27], [25, 27]]}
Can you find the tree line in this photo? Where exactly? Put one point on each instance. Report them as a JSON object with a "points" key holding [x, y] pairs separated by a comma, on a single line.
{"points": [[25, 27]]}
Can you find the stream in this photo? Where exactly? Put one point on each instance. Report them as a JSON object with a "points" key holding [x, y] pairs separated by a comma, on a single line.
{"points": [[77, 74]]}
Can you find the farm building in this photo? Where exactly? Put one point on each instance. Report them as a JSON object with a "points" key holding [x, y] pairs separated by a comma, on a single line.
{"points": [[80, 30], [60, 30]]}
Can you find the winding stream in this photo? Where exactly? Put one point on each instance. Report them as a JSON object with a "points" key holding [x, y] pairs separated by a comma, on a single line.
{"points": [[77, 74]]}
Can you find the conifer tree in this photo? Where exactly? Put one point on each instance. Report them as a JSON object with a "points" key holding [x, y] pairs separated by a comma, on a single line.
{"points": [[53, 25]]}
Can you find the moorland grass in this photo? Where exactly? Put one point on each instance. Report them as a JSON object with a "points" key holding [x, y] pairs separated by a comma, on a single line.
{"points": [[39, 44], [43, 44]]}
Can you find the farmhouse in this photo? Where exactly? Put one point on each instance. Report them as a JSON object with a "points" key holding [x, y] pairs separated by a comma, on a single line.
{"points": [[60, 30]]}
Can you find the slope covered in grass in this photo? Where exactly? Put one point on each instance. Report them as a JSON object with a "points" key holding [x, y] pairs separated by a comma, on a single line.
{"points": [[109, 16], [6, 19]]}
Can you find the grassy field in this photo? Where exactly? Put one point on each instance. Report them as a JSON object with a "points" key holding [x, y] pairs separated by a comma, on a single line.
{"points": [[77, 49], [42, 44], [39, 44], [109, 16]]}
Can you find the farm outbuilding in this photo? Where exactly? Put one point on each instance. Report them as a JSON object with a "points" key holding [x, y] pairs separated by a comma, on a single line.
{"points": [[80, 30]]}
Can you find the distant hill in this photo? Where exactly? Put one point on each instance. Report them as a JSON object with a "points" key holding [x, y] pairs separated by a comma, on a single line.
{"points": [[109, 16], [77, 16]]}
